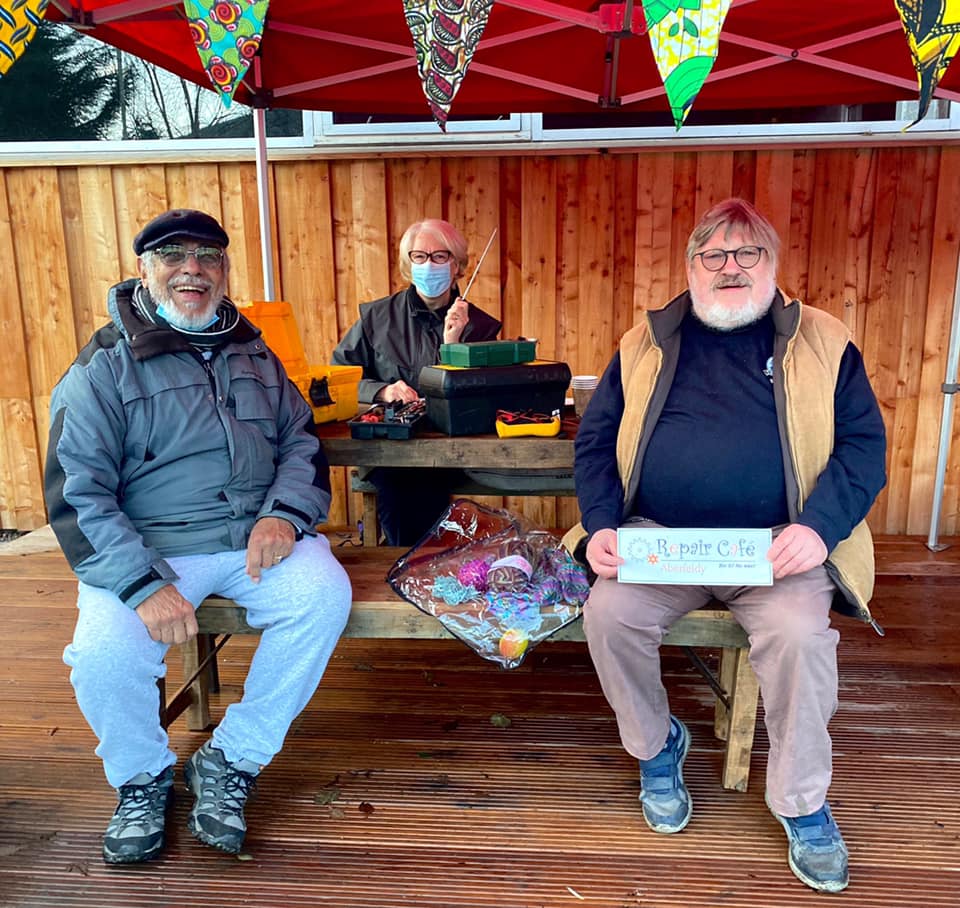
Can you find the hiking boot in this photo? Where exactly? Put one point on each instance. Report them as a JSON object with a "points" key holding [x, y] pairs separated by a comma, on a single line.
{"points": [[221, 790], [136, 829], [665, 800], [816, 851]]}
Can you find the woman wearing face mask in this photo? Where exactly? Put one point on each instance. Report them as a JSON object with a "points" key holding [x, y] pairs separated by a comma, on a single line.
{"points": [[394, 338]]}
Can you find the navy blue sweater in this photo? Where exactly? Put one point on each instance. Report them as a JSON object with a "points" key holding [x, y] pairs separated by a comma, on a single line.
{"points": [[724, 426], [714, 458]]}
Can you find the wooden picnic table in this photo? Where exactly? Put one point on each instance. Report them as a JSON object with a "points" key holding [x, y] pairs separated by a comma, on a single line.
{"points": [[434, 449], [528, 465]]}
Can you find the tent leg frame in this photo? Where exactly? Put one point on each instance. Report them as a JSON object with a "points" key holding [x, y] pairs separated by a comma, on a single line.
{"points": [[949, 388]]}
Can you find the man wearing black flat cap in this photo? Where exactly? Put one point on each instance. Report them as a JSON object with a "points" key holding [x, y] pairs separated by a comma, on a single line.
{"points": [[181, 465]]}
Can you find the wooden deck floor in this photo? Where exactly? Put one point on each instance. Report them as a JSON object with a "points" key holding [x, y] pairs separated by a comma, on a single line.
{"points": [[397, 789]]}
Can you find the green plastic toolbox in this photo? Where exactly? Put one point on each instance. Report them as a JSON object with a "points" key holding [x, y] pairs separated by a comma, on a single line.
{"points": [[488, 353]]}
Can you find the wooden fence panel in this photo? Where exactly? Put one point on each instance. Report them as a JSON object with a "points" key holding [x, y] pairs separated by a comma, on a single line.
{"points": [[21, 502], [415, 191], [944, 253], [474, 207], [593, 322], [139, 194], [586, 242], [90, 230], [44, 282], [795, 258], [511, 246], [653, 254], [623, 273], [246, 261], [307, 255]]}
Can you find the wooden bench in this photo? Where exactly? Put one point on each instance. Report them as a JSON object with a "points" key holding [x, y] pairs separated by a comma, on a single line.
{"points": [[379, 613]]}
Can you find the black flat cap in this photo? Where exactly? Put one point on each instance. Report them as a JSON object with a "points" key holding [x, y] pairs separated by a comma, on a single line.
{"points": [[183, 222]]}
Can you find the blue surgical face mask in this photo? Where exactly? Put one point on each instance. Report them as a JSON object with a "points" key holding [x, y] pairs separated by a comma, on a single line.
{"points": [[172, 318], [431, 280]]}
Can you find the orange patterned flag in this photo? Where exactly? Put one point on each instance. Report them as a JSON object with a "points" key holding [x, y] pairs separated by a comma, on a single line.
{"points": [[933, 33], [445, 35]]}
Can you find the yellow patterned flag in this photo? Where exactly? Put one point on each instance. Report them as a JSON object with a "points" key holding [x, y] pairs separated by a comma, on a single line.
{"points": [[445, 35], [18, 24], [684, 36], [933, 33]]}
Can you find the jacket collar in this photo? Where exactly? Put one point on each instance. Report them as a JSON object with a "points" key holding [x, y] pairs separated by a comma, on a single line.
{"points": [[147, 339], [420, 309]]}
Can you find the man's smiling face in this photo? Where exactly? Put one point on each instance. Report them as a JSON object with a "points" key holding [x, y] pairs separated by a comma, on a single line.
{"points": [[190, 290], [733, 296]]}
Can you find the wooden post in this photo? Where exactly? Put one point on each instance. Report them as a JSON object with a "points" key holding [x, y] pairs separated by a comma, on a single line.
{"points": [[194, 652], [744, 691]]}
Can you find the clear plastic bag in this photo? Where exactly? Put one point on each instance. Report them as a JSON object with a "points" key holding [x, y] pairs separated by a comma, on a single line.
{"points": [[493, 579]]}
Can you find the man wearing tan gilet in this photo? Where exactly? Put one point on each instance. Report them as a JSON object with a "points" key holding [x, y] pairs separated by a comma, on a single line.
{"points": [[734, 406]]}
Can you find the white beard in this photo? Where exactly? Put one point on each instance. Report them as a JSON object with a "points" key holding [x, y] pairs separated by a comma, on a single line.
{"points": [[174, 314], [723, 318]]}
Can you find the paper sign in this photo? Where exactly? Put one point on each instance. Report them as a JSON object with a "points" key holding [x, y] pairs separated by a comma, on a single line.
{"points": [[696, 557]]}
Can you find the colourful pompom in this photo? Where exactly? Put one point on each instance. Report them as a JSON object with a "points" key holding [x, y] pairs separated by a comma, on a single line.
{"points": [[474, 573], [452, 591]]}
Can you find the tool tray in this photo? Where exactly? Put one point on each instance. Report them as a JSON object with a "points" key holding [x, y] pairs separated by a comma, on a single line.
{"points": [[388, 426]]}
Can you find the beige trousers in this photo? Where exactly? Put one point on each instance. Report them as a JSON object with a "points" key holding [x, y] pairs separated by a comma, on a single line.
{"points": [[793, 650]]}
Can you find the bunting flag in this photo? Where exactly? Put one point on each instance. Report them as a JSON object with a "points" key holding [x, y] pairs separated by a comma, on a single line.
{"points": [[18, 24], [933, 33], [684, 36], [445, 35], [227, 34]]}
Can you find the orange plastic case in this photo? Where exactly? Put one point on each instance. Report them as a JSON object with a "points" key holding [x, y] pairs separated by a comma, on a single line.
{"points": [[337, 385]]}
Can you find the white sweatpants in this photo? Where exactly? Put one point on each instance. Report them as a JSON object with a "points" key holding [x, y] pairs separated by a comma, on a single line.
{"points": [[302, 605]]}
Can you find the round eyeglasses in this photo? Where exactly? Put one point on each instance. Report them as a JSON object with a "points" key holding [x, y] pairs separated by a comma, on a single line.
{"points": [[440, 257], [206, 256], [716, 259]]}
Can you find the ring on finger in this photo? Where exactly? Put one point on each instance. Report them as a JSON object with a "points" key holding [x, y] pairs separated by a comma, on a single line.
{"points": [[277, 559]]}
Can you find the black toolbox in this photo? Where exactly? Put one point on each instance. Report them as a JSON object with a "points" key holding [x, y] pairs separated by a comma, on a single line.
{"points": [[464, 401]]}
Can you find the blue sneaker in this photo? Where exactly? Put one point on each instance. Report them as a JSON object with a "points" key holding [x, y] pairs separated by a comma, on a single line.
{"points": [[816, 851], [665, 800]]}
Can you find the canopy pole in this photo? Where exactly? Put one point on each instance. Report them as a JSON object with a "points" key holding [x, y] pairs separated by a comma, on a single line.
{"points": [[949, 388], [263, 188]]}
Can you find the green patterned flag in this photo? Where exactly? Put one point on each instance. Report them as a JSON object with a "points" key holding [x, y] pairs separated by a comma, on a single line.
{"points": [[445, 35], [227, 34], [933, 33], [684, 36], [18, 24]]}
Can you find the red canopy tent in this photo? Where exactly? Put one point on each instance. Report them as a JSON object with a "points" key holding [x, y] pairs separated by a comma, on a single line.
{"points": [[563, 56], [536, 55], [546, 56]]}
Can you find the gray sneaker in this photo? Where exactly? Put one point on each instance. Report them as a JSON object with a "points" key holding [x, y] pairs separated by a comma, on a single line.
{"points": [[816, 851], [221, 790], [136, 829]]}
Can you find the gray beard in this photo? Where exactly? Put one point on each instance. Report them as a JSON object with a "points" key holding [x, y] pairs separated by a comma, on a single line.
{"points": [[722, 318]]}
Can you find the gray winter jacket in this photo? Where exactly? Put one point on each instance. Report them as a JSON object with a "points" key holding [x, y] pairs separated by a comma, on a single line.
{"points": [[155, 452]]}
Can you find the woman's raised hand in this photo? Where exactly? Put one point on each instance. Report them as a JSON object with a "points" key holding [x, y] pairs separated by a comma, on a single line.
{"points": [[456, 320]]}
